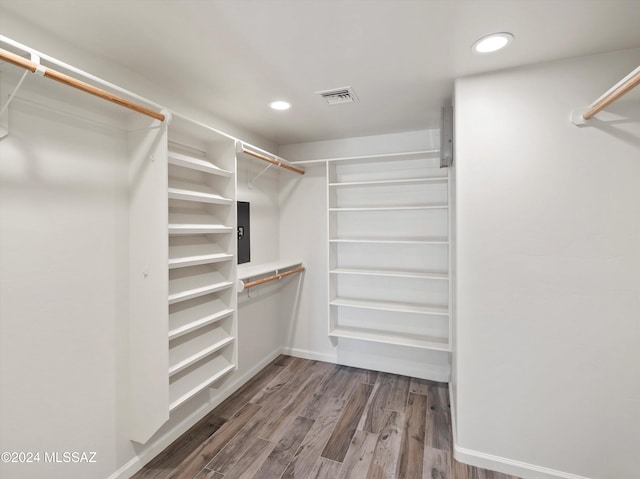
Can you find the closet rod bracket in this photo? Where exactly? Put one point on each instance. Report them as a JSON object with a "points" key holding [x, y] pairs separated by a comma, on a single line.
{"points": [[251, 182], [4, 110]]}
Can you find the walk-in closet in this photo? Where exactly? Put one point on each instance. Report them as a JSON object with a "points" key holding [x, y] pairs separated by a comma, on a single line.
{"points": [[320, 239]]}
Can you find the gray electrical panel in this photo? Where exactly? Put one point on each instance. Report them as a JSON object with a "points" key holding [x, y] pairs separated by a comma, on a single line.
{"points": [[244, 236], [446, 137]]}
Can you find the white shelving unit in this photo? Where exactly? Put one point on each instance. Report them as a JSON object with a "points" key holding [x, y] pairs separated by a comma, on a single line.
{"points": [[202, 250], [388, 224]]}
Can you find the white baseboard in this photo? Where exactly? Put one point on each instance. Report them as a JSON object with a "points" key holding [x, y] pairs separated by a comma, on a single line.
{"points": [[153, 449], [501, 464], [307, 354]]}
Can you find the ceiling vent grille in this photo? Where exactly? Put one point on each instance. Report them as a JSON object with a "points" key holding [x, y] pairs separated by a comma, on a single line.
{"points": [[338, 96]]}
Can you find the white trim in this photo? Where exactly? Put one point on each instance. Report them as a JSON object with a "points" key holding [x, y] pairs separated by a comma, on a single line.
{"points": [[307, 354], [509, 466], [155, 448], [500, 464]]}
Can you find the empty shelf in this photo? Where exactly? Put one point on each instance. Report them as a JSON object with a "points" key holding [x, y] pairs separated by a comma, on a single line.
{"points": [[261, 269], [205, 317], [392, 208], [196, 381], [182, 365], [196, 164], [202, 197], [183, 261], [181, 289], [391, 273], [391, 306], [401, 339], [407, 181], [190, 229], [391, 240]]}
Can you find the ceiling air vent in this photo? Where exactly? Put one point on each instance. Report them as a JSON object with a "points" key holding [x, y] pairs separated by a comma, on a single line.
{"points": [[338, 96]]}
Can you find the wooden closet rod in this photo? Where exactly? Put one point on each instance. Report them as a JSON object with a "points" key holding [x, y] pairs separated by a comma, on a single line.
{"points": [[623, 87], [251, 284], [80, 85], [272, 161]]}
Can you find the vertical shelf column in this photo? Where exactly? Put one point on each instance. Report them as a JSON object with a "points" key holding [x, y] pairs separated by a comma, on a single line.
{"points": [[202, 327]]}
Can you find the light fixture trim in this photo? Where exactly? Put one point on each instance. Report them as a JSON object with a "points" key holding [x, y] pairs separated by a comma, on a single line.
{"points": [[280, 105], [492, 43]]}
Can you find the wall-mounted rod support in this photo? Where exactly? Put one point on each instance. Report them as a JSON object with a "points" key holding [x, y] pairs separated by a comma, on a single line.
{"points": [[621, 88], [276, 162], [251, 284], [252, 181], [80, 85]]}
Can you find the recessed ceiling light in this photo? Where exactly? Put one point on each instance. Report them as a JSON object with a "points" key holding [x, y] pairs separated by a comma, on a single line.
{"points": [[492, 43], [280, 105]]}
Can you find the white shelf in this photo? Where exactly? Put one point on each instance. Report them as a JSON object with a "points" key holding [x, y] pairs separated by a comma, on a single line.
{"points": [[391, 306], [198, 164], [201, 197], [400, 339], [194, 229], [371, 158], [191, 360], [246, 271], [393, 208], [390, 240], [406, 181], [195, 250], [182, 289], [205, 318], [201, 378], [391, 273], [185, 261]]}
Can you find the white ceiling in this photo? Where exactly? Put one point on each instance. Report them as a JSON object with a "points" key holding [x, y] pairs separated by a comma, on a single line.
{"points": [[400, 56]]}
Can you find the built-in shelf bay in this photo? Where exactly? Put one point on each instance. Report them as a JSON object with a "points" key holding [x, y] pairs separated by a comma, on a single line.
{"points": [[388, 224]]}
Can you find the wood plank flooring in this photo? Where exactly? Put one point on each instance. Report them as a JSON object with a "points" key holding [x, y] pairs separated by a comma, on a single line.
{"points": [[301, 419]]}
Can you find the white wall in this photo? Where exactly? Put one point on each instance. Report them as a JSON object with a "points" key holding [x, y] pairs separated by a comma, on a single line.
{"points": [[259, 323], [64, 274], [63, 291], [303, 235], [548, 289]]}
